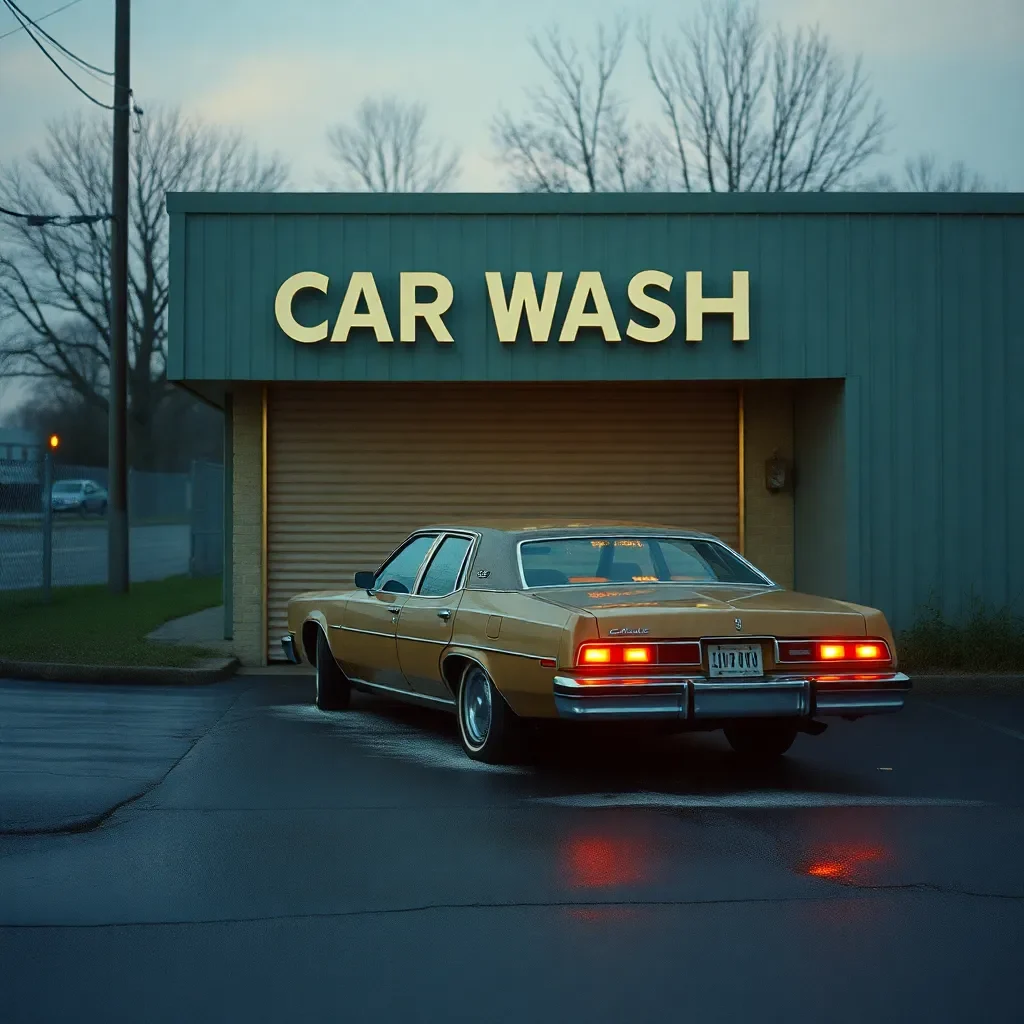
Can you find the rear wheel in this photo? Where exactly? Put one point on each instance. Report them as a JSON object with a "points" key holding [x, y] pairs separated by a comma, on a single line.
{"points": [[488, 727], [761, 741], [333, 690]]}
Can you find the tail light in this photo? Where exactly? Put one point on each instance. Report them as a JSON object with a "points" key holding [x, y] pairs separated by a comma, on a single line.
{"points": [[797, 651], [637, 655], [599, 655]]}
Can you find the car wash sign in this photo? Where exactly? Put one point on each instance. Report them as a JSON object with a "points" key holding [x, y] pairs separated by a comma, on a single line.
{"points": [[518, 307]]}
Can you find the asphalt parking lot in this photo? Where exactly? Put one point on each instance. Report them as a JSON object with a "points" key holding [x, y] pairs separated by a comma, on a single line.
{"points": [[229, 853]]}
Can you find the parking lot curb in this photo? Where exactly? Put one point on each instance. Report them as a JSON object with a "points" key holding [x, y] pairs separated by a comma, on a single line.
{"points": [[211, 670]]}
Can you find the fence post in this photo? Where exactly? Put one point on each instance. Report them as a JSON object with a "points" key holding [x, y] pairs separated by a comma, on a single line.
{"points": [[190, 508], [47, 511]]}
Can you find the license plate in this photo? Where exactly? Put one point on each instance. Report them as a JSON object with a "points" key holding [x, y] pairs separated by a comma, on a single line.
{"points": [[734, 660]]}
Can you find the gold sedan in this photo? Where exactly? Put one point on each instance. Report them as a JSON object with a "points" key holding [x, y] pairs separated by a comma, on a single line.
{"points": [[594, 622]]}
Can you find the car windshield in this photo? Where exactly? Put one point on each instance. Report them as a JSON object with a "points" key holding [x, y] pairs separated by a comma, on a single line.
{"points": [[67, 487], [625, 559]]}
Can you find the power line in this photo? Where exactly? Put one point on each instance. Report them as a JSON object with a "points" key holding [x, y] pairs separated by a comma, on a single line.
{"points": [[56, 42], [52, 60], [39, 220], [43, 17]]}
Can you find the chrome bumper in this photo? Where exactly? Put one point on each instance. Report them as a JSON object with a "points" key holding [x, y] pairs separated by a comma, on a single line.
{"points": [[700, 698], [288, 646]]}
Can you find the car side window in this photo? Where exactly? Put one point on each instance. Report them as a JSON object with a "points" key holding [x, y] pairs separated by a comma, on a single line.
{"points": [[90, 488], [398, 576], [442, 575]]}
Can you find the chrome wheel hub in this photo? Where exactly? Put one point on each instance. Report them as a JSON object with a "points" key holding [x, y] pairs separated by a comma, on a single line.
{"points": [[476, 708]]}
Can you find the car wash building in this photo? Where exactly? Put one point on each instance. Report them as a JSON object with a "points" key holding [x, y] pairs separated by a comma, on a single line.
{"points": [[830, 383]]}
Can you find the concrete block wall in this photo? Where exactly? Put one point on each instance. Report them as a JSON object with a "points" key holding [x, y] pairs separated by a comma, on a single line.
{"points": [[249, 639], [768, 425]]}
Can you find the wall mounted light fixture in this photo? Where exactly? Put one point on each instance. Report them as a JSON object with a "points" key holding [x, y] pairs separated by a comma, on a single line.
{"points": [[778, 473]]}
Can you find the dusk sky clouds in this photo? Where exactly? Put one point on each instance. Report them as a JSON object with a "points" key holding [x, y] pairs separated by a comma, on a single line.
{"points": [[950, 72]]}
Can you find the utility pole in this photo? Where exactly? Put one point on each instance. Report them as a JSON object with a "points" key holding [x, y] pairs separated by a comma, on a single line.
{"points": [[117, 502]]}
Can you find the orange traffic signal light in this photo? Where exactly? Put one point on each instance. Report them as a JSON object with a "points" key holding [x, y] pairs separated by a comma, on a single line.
{"points": [[54, 441]]}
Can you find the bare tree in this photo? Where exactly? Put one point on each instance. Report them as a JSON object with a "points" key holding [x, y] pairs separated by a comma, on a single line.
{"points": [[576, 136], [747, 110], [54, 281], [385, 149], [923, 174]]}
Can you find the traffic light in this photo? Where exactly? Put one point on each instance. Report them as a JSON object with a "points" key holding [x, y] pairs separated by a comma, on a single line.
{"points": [[54, 442]]}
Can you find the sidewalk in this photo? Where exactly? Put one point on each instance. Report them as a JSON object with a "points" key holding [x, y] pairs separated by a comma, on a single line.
{"points": [[202, 629]]}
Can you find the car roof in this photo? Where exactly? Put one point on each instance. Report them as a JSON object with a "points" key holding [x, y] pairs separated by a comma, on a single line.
{"points": [[525, 529]]}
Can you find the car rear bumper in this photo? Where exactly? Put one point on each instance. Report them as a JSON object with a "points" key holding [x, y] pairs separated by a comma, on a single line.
{"points": [[288, 646], [699, 698]]}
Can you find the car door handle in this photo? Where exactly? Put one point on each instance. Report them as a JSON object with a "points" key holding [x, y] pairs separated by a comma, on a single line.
{"points": [[395, 609], [445, 614]]}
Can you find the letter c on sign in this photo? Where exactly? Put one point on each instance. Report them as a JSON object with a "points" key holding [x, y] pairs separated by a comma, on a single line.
{"points": [[283, 306]]}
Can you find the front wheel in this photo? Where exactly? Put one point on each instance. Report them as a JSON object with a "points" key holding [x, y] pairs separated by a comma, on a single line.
{"points": [[761, 741], [333, 690], [487, 725]]}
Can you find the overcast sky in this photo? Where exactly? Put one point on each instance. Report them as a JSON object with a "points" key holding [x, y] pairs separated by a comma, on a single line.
{"points": [[950, 72]]}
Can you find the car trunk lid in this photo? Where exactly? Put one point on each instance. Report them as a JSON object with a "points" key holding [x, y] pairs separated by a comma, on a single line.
{"points": [[666, 611]]}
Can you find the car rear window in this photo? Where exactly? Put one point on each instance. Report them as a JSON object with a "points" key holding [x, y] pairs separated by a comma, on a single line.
{"points": [[554, 563]]}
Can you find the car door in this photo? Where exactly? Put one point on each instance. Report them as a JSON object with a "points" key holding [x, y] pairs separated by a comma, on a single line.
{"points": [[427, 619], [367, 646]]}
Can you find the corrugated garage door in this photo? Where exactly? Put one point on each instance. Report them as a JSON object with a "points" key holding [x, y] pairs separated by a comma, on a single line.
{"points": [[353, 468]]}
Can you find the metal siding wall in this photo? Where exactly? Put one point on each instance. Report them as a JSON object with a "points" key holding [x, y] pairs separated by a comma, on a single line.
{"points": [[820, 494], [1012, 430], [230, 332], [921, 312], [938, 457], [352, 470]]}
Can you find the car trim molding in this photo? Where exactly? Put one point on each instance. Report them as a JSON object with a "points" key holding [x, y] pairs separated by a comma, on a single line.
{"points": [[410, 695], [365, 632], [497, 650]]}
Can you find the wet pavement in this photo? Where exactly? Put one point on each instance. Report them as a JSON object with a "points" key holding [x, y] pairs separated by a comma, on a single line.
{"points": [[282, 864]]}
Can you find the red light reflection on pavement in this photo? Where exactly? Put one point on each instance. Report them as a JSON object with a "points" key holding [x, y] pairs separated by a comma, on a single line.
{"points": [[595, 862], [599, 915], [843, 863]]}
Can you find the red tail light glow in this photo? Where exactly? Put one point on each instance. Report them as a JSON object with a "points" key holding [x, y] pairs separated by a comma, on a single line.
{"points": [[637, 655], [675, 652], [871, 652], [841, 650]]}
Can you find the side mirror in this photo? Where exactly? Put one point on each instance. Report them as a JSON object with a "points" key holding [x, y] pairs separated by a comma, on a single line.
{"points": [[364, 580]]}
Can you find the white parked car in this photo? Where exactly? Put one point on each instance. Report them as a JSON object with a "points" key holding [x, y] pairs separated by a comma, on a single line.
{"points": [[81, 496]]}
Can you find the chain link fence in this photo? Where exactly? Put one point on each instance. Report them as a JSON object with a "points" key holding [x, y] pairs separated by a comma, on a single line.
{"points": [[175, 521]]}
